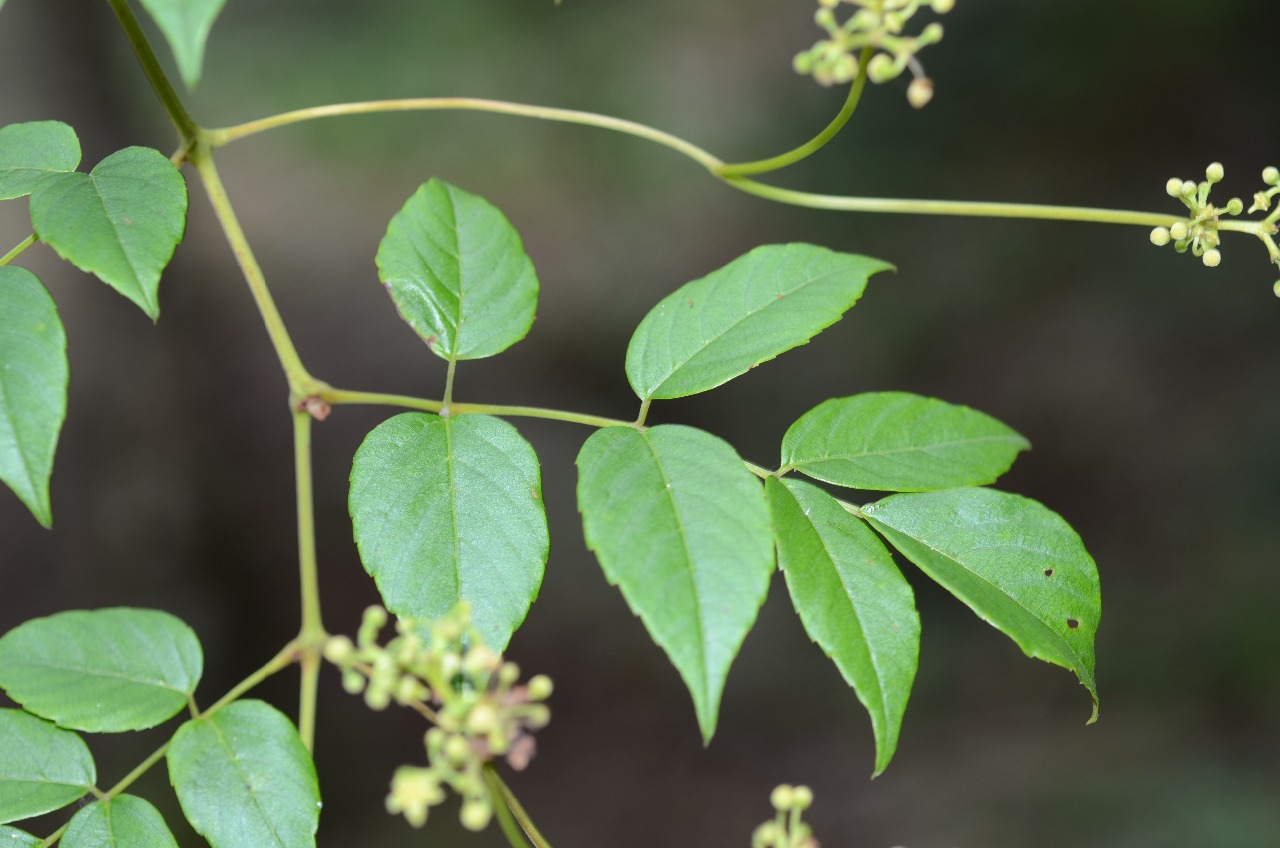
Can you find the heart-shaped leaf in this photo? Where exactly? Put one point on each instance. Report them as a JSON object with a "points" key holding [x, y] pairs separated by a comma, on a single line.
{"points": [[898, 442], [1016, 564], [29, 152], [681, 527], [125, 821], [121, 221], [245, 780], [448, 510], [458, 273], [33, 388], [186, 25], [42, 768], [102, 671], [711, 330], [852, 600]]}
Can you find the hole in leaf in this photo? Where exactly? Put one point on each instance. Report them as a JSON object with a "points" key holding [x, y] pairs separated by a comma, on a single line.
{"points": [[1048, 572], [1073, 623]]}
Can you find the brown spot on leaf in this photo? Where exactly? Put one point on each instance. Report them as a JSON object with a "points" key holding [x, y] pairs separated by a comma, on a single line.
{"points": [[1048, 572], [1073, 623]]}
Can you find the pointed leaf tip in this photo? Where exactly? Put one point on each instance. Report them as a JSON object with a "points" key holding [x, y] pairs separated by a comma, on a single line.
{"points": [[186, 25]]}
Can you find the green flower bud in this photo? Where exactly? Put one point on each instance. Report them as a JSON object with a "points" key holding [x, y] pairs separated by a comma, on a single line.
{"points": [[1271, 176], [803, 798], [508, 674], [1211, 258], [482, 719], [1215, 172], [1178, 231], [540, 687], [943, 6], [378, 696], [768, 835], [881, 68], [353, 681], [1159, 236], [1174, 187], [1235, 206], [1189, 188], [782, 797], [475, 814], [1276, 288], [537, 716], [338, 649], [931, 34], [456, 750]]}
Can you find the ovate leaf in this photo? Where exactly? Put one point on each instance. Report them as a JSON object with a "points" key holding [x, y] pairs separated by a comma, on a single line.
{"points": [[29, 152], [1016, 564], [898, 442], [448, 510], [33, 387], [852, 600], [121, 221], [764, 303], [681, 527], [11, 837], [102, 671], [458, 273], [42, 768], [245, 780], [186, 25], [125, 821]]}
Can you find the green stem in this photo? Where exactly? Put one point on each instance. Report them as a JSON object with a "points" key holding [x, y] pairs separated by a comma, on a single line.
{"points": [[17, 251], [815, 144], [219, 137], [526, 823], [510, 829], [312, 634], [187, 129], [341, 396], [448, 386], [301, 383]]}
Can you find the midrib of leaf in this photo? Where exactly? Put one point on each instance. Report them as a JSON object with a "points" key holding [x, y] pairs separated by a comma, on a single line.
{"points": [[921, 449], [450, 459], [12, 422], [119, 242], [103, 674], [253, 793]]}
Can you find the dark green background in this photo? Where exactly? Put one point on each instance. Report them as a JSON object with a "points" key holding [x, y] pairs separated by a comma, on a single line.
{"points": [[1146, 383]]}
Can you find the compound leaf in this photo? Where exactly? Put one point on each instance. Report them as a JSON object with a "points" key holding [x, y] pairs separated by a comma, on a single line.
{"points": [[11, 837], [1015, 563], [681, 527], [33, 387], [121, 221], [450, 509], [125, 821], [711, 330], [186, 25], [245, 780], [852, 599], [102, 671], [458, 273], [31, 151], [42, 768], [898, 442]]}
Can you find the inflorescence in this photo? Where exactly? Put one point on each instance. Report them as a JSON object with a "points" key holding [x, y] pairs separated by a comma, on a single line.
{"points": [[786, 829], [877, 25], [443, 670]]}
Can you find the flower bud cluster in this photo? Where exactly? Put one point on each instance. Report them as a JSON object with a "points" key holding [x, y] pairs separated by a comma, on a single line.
{"points": [[1199, 233], [876, 25], [443, 669], [786, 829]]}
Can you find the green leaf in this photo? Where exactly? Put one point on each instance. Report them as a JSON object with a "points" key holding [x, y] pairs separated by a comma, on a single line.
{"points": [[681, 527], [450, 509], [245, 780], [711, 330], [1018, 565], [186, 25], [11, 837], [29, 152], [852, 600], [125, 821], [121, 221], [458, 273], [42, 768], [898, 442], [102, 671], [33, 388]]}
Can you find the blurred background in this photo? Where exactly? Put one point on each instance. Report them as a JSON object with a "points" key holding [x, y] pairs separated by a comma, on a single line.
{"points": [[1146, 382]]}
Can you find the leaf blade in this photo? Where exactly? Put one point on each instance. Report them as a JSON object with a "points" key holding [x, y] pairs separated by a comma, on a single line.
{"points": [[458, 273], [852, 600], [42, 767], [245, 780], [11, 837], [186, 25], [681, 527], [102, 671], [1015, 563], [33, 388], [450, 509], [899, 442], [31, 151], [718, 327], [121, 221], [125, 821]]}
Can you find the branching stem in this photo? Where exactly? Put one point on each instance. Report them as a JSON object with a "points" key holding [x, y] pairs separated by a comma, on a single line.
{"points": [[338, 397]]}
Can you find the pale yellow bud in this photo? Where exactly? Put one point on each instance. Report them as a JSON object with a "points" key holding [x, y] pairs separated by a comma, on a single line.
{"points": [[1159, 236], [920, 92], [1212, 258]]}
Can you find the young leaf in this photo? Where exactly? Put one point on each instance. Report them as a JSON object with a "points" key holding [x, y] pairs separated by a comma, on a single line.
{"points": [[681, 527], [245, 780], [33, 388], [458, 273], [125, 821], [103, 671], [450, 509], [11, 837], [711, 330], [32, 151], [42, 768], [897, 442], [852, 600], [1016, 564], [121, 221], [186, 25]]}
